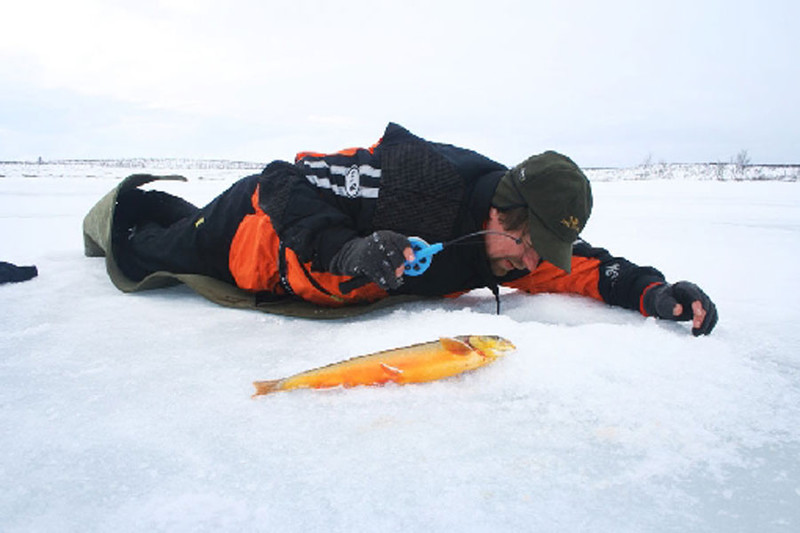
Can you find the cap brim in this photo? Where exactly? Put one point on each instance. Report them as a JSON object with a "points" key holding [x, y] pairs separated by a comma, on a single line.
{"points": [[548, 245]]}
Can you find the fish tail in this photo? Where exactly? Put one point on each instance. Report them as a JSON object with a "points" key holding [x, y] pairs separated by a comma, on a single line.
{"points": [[266, 387]]}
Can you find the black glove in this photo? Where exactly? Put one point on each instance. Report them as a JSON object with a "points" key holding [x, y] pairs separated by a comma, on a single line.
{"points": [[375, 256], [660, 301]]}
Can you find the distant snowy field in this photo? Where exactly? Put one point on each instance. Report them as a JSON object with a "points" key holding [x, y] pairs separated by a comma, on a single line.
{"points": [[133, 412]]}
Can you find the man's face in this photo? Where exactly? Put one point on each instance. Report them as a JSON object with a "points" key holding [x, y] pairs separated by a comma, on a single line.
{"points": [[504, 253]]}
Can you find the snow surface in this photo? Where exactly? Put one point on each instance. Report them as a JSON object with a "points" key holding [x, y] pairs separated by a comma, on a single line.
{"points": [[133, 412]]}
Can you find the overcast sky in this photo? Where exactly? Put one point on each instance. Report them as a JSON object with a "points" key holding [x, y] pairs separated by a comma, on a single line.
{"points": [[610, 83]]}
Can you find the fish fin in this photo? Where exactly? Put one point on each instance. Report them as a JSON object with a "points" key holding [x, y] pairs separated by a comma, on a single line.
{"points": [[391, 370], [455, 346], [266, 387]]}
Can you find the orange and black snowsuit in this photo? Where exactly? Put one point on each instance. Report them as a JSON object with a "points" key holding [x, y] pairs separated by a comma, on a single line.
{"points": [[275, 233]]}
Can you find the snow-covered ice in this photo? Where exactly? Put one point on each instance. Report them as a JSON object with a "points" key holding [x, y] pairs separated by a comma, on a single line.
{"points": [[133, 412]]}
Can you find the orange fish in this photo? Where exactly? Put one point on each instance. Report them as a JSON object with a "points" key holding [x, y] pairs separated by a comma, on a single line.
{"points": [[413, 364]]}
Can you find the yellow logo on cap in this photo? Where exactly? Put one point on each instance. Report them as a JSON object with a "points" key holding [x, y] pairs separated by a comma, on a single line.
{"points": [[572, 223]]}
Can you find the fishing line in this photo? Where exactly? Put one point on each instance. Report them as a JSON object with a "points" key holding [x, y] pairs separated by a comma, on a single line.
{"points": [[477, 233], [423, 252]]}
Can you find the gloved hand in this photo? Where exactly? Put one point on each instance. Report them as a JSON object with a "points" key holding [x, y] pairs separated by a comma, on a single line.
{"points": [[682, 301], [377, 256]]}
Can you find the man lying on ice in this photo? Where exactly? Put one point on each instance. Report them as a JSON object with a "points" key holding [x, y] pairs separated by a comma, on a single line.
{"points": [[328, 235]]}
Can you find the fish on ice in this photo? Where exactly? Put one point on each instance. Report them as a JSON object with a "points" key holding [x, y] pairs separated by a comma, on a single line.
{"points": [[430, 361]]}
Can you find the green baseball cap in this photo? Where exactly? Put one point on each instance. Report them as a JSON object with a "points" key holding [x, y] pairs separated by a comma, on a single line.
{"points": [[559, 200]]}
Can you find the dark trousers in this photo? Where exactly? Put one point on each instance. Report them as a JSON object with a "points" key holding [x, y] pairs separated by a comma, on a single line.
{"points": [[155, 231]]}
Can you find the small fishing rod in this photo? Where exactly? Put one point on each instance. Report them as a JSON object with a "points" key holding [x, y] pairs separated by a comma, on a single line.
{"points": [[423, 252]]}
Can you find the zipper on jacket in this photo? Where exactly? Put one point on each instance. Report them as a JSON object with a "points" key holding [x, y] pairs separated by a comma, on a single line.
{"points": [[284, 278]]}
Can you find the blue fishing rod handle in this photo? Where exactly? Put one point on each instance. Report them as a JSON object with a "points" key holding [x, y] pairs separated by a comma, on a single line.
{"points": [[423, 253], [422, 260]]}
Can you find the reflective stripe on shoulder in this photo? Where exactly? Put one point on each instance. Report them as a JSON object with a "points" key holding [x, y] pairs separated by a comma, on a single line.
{"points": [[352, 187], [325, 183], [340, 170]]}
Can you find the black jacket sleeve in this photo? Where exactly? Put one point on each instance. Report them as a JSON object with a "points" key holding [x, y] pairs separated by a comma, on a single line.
{"points": [[595, 273], [620, 281]]}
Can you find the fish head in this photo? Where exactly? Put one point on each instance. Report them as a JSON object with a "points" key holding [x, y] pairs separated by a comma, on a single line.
{"points": [[491, 346]]}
